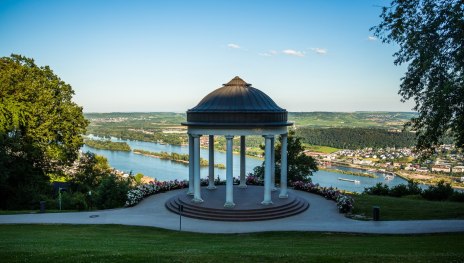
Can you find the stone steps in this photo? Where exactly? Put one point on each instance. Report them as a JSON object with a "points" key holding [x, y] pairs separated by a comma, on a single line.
{"points": [[293, 206]]}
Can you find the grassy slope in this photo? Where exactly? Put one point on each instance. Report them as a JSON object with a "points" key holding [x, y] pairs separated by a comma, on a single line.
{"points": [[321, 149], [113, 243], [392, 208]]}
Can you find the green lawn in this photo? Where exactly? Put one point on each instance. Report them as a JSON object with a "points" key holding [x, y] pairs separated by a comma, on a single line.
{"points": [[16, 212], [319, 148], [393, 208], [114, 243]]}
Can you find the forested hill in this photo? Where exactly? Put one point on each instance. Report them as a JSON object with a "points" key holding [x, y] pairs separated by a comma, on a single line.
{"points": [[336, 129], [355, 138]]}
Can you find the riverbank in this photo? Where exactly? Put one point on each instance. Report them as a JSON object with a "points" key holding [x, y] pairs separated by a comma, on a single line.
{"points": [[428, 179], [323, 168], [175, 157], [425, 179], [108, 145]]}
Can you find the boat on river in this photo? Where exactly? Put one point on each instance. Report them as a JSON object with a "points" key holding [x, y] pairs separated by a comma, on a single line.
{"points": [[388, 177], [349, 180]]}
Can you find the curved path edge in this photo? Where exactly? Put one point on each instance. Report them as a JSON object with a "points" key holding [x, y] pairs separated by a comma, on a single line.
{"points": [[322, 216]]}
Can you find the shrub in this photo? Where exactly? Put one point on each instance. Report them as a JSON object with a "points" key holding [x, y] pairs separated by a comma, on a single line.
{"points": [[413, 188], [136, 195], [344, 203], [112, 192], [399, 190], [402, 190], [439, 192], [73, 201], [254, 180], [378, 189]]}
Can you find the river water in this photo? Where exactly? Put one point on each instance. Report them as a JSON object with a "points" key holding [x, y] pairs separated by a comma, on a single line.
{"points": [[168, 170]]}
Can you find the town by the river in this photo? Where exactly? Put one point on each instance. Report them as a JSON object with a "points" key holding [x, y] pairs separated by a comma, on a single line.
{"points": [[168, 170]]}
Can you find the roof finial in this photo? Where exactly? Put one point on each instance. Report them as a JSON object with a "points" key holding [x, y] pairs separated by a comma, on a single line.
{"points": [[237, 81]]}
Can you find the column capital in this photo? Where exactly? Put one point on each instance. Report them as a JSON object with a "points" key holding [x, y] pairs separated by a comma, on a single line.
{"points": [[284, 134], [195, 135], [268, 136], [228, 137]]}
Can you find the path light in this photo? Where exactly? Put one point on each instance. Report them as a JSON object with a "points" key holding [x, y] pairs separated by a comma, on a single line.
{"points": [[59, 195], [90, 199]]}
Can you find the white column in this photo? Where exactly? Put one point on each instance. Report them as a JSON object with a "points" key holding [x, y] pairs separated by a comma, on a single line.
{"points": [[273, 187], [283, 168], [211, 163], [229, 173], [191, 178], [196, 169], [267, 171], [242, 162]]}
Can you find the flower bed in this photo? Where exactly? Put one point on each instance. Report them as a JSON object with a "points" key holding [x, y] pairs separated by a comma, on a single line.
{"points": [[154, 187], [344, 202], [254, 180]]}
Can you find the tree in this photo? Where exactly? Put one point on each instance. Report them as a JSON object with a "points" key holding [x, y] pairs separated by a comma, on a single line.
{"points": [[300, 166], [90, 172], [112, 192], [93, 179], [430, 35], [138, 178], [40, 129]]}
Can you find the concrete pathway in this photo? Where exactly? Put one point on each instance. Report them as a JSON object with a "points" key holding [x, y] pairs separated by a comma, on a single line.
{"points": [[321, 216]]}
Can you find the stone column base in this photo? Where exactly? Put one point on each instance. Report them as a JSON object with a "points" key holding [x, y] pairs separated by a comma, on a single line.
{"points": [[197, 200], [229, 205]]}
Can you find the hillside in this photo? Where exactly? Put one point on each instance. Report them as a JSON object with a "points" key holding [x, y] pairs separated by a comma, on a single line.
{"points": [[320, 128], [362, 119]]}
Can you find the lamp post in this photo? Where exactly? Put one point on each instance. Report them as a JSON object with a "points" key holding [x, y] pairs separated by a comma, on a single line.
{"points": [[90, 200], [59, 196]]}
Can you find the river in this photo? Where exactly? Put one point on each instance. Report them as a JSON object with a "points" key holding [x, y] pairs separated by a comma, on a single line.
{"points": [[168, 170]]}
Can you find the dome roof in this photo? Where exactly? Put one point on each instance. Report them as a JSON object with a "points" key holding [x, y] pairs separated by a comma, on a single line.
{"points": [[237, 95], [237, 104]]}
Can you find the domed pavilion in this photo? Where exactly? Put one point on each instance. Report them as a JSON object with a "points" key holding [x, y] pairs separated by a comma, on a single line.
{"points": [[236, 109]]}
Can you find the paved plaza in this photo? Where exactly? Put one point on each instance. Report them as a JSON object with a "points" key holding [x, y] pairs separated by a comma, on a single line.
{"points": [[322, 215]]}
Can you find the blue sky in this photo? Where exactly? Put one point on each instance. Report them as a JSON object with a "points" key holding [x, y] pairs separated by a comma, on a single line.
{"points": [[167, 55]]}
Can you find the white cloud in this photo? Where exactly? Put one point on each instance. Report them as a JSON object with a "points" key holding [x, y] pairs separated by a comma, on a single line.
{"points": [[371, 38], [292, 52], [231, 45], [270, 53], [321, 51]]}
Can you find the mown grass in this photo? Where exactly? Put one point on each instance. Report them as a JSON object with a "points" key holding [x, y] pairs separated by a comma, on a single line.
{"points": [[16, 212], [115, 243], [407, 208]]}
